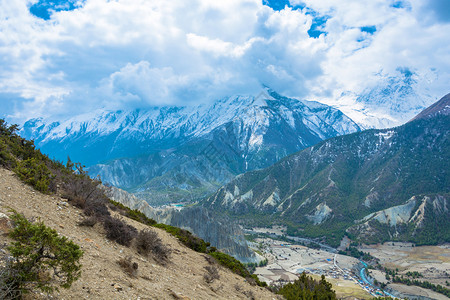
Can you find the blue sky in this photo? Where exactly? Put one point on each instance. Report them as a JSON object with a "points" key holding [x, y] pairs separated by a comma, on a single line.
{"points": [[58, 57]]}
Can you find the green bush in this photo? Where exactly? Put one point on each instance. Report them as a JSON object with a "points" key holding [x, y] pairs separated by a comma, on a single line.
{"points": [[34, 173], [186, 237], [132, 213], [236, 267], [6, 159], [306, 287], [231, 263], [41, 257]]}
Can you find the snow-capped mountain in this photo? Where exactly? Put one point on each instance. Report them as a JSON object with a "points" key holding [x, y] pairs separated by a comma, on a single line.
{"points": [[179, 149], [393, 100]]}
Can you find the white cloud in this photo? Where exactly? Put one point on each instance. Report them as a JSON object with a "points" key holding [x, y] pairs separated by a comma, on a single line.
{"points": [[123, 53], [355, 58]]}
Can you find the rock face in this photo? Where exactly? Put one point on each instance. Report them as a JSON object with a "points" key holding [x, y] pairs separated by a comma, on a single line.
{"points": [[325, 189], [227, 237], [168, 154]]}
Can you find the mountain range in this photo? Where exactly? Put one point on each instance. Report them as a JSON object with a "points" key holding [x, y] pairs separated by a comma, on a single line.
{"points": [[374, 185], [170, 154]]}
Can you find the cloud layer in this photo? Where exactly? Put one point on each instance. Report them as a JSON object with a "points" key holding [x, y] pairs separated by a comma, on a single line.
{"points": [[125, 54]]}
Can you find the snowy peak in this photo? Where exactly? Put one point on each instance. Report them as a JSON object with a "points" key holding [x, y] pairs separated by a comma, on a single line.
{"points": [[398, 95], [394, 100]]}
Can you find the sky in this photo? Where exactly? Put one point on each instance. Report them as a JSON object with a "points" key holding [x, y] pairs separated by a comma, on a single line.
{"points": [[59, 58]]}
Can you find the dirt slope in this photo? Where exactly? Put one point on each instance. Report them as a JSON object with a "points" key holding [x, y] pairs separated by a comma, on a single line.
{"points": [[102, 278]]}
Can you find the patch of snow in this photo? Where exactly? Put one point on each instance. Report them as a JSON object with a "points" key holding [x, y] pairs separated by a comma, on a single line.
{"points": [[228, 198]]}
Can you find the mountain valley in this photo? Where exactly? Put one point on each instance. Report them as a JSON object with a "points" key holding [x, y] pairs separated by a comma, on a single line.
{"points": [[366, 187], [246, 149]]}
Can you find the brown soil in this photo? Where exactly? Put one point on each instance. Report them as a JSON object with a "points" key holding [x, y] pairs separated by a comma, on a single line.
{"points": [[102, 277]]}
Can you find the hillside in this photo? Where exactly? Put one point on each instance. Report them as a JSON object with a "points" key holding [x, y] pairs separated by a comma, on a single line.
{"points": [[102, 277], [168, 154], [60, 202], [374, 185]]}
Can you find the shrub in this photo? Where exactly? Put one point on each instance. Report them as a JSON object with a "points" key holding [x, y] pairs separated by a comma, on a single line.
{"points": [[236, 267], [249, 295], [96, 207], [83, 192], [42, 258], [6, 159], [148, 241], [305, 287], [211, 260], [128, 266], [34, 173], [230, 263], [132, 213], [186, 237], [118, 231]]}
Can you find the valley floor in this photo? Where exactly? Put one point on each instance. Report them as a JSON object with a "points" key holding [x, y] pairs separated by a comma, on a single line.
{"points": [[433, 262], [287, 260]]}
